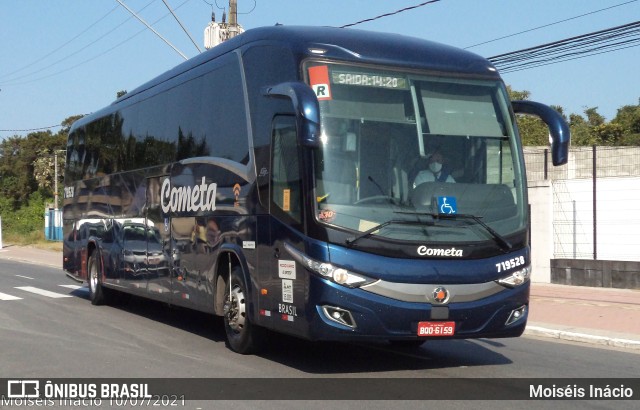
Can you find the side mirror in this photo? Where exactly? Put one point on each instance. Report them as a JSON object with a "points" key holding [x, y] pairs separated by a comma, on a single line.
{"points": [[306, 107], [558, 128]]}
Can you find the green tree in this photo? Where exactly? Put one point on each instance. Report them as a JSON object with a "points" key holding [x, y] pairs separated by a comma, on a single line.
{"points": [[608, 134], [44, 169], [593, 117], [580, 131], [67, 123], [517, 95], [628, 117], [27, 178], [533, 130]]}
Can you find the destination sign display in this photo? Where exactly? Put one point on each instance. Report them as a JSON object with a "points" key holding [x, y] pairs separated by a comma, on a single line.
{"points": [[368, 80]]}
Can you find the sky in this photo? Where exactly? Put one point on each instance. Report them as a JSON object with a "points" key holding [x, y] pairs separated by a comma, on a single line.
{"points": [[60, 58]]}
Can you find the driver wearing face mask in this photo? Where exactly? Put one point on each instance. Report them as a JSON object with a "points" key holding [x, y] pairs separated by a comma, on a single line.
{"points": [[436, 172]]}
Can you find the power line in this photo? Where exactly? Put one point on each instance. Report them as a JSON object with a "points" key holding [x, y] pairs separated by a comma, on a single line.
{"points": [[550, 24], [33, 129], [181, 25], [152, 29], [541, 64], [390, 14], [95, 56], [255, 4], [66, 57], [585, 45], [211, 4], [222, 8], [61, 46]]}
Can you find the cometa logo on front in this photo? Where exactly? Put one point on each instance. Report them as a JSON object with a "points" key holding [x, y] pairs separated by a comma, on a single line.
{"points": [[188, 198], [426, 251]]}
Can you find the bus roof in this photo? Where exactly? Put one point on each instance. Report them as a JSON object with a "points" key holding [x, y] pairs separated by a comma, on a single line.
{"points": [[358, 46], [354, 45]]}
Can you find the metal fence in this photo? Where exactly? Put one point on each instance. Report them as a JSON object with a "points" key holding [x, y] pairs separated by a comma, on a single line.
{"points": [[596, 201], [607, 162]]}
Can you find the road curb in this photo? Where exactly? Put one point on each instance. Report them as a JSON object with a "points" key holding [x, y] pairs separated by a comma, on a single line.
{"points": [[582, 337], [28, 261]]}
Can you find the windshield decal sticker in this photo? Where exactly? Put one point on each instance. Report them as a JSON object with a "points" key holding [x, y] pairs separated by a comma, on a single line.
{"points": [[286, 200], [326, 215], [319, 81], [447, 205]]}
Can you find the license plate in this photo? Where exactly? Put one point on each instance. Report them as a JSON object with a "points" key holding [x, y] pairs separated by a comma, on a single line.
{"points": [[436, 328]]}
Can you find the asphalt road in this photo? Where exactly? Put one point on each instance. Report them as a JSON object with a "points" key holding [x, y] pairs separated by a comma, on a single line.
{"points": [[61, 335]]}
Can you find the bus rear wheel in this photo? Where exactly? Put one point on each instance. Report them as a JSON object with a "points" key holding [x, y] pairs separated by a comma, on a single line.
{"points": [[242, 336], [97, 293]]}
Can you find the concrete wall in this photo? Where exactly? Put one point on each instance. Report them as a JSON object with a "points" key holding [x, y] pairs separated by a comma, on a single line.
{"points": [[598, 273], [562, 221], [617, 219]]}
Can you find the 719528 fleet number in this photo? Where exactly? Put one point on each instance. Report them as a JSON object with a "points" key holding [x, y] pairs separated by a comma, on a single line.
{"points": [[510, 264]]}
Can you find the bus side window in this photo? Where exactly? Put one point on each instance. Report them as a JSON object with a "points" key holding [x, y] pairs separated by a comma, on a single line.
{"points": [[285, 169]]}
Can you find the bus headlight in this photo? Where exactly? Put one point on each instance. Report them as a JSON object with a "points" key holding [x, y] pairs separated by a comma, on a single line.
{"points": [[326, 270], [340, 276], [516, 278]]}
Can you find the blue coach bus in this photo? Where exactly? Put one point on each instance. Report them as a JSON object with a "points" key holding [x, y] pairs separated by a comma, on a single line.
{"points": [[331, 184]]}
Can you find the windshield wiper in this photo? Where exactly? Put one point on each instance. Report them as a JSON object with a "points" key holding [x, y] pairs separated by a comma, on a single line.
{"points": [[501, 240], [351, 241]]}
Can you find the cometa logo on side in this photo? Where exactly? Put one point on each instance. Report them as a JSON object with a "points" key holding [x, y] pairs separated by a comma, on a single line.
{"points": [[188, 198]]}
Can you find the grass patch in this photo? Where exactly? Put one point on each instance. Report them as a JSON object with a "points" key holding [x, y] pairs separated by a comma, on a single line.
{"points": [[34, 239]]}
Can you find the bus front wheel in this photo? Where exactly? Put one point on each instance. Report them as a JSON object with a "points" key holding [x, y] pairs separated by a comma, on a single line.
{"points": [[242, 336], [97, 293]]}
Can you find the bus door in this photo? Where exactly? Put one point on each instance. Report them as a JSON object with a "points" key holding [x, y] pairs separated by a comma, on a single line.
{"points": [[287, 282], [159, 255]]}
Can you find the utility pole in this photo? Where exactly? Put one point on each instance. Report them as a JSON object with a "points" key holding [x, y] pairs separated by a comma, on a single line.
{"points": [[216, 33], [233, 13], [55, 178]]}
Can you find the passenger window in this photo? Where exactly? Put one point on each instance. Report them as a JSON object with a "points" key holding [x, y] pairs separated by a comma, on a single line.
{"points": [[286, 186]]}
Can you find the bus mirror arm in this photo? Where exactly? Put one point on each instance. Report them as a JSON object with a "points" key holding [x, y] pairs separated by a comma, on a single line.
{"points": [[558, 128], [306, 108]]}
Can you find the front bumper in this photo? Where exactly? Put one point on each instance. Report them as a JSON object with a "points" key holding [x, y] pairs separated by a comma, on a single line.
{"points": [[377, 317]]}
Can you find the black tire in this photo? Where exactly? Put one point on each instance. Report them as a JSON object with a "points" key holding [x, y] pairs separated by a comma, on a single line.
{"points": [[97, 293], [242, 336]]}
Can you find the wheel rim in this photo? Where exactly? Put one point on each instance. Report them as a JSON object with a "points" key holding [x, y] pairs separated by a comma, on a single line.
{"points": [[93, 277], [236, 309]]}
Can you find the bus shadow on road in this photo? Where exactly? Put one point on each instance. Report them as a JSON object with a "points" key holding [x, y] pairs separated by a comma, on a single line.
{"points": [[197, 323], [335, 358], [327, 357]]}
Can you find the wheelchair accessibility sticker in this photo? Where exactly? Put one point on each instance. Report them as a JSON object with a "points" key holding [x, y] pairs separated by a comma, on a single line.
{"points": [[447, 205]]}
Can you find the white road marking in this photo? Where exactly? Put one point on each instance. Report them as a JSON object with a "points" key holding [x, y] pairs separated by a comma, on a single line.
{"points": [[4, 296], [43, 292], [74, 287], [26, 277]]}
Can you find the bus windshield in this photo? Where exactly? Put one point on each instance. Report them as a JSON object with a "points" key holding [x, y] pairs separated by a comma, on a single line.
{"points": [[416, 150]]}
